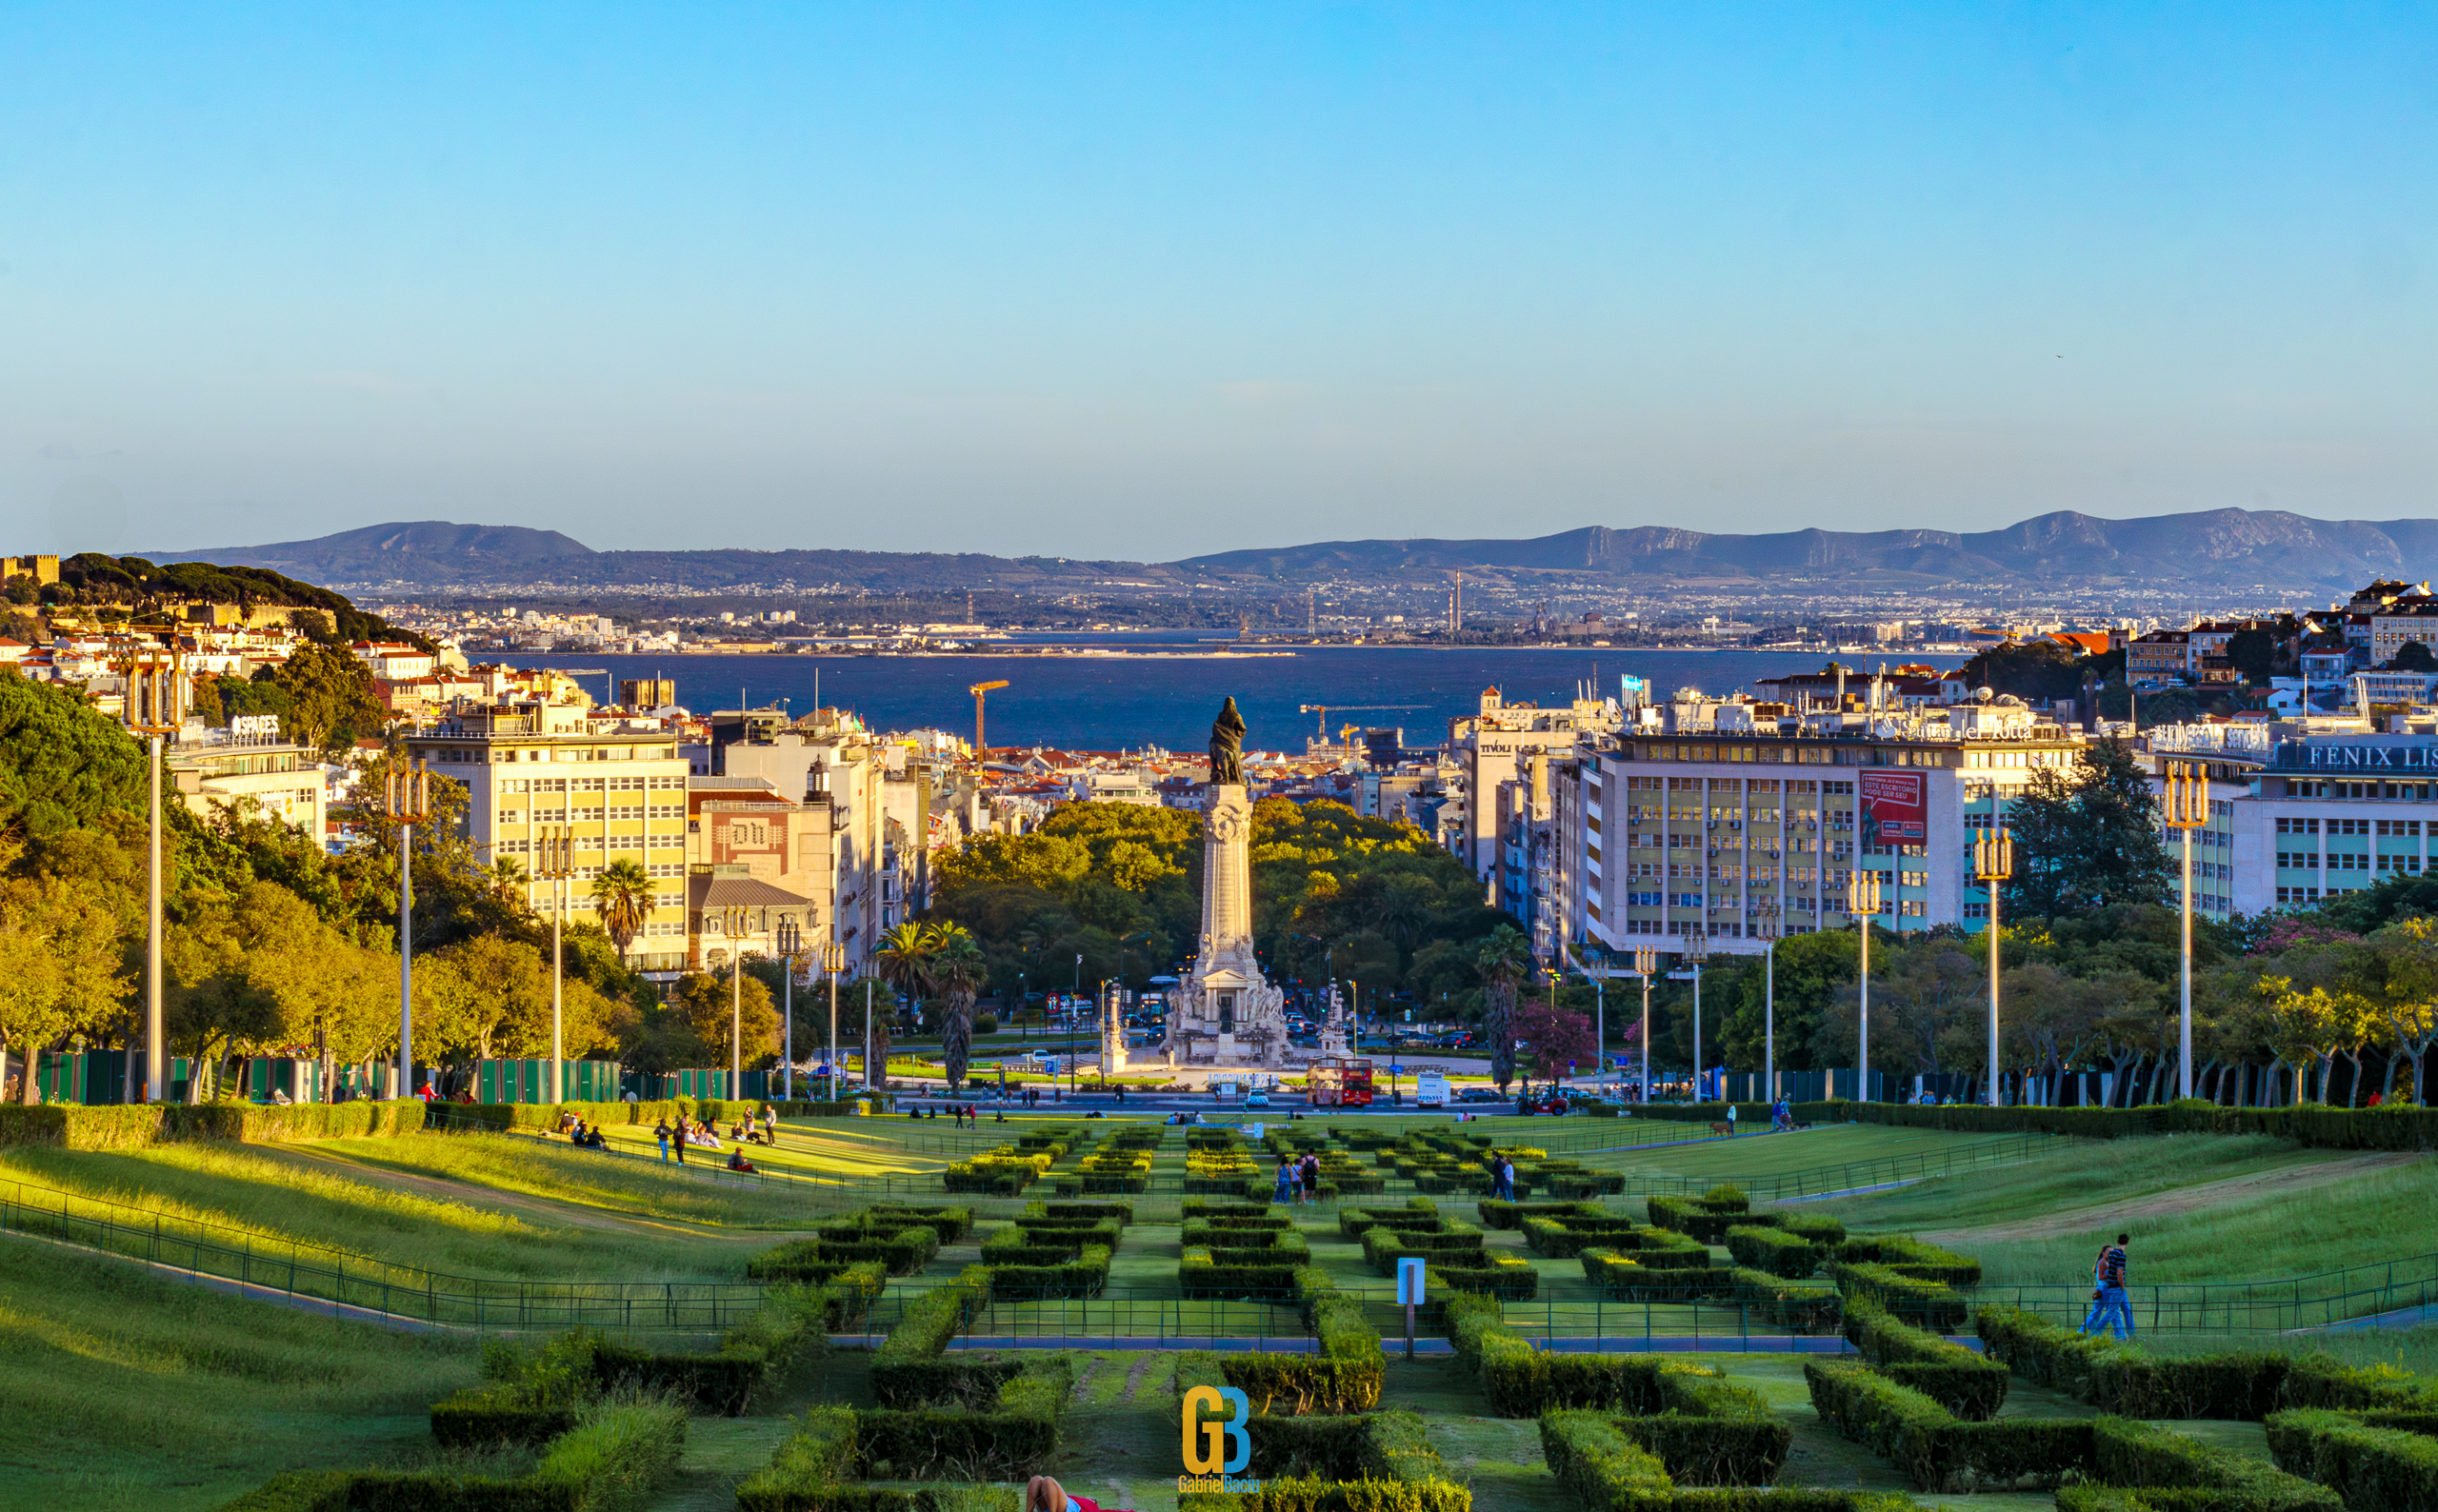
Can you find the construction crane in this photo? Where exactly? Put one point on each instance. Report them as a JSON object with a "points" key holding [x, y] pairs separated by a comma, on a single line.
{"points": [[1322, 729], [978, 689]]}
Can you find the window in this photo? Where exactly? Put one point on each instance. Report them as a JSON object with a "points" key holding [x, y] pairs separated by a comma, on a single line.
{"points": [[1976, 911], [1912, 908], [1914, 878], [675, 785], [2299, 826]]}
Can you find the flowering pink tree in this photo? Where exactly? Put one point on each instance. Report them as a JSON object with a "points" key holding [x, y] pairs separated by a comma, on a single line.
{"points": [[1553, 1037]]}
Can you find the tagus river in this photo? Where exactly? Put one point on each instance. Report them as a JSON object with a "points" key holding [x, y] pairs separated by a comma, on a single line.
{"points": [[1161, 689]]}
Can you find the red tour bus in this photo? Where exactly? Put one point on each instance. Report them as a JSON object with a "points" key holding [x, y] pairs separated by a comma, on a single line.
{"points": [[1341, 1080]]}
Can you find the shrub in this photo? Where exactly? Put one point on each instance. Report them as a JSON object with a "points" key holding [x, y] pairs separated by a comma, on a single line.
{"points": [[2372, 1470], [1344, 1376], [907, 1370], [1939, 1451], [1496, 1212], [1012, 1438], [1925, 1303], [1592, 1459], [1122, 1212], [1908, 1256], [2135, 1454], [1700, 1217], [1955, 1378], [808, 1462], [1775, 1250]]}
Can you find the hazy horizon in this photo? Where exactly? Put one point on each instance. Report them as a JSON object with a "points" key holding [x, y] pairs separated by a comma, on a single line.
{"points": [[1144, 285]]}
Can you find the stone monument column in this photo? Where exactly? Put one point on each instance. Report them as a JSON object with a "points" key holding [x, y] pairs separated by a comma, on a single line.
{"points": [[1113, 1032], [1228, 1013]]}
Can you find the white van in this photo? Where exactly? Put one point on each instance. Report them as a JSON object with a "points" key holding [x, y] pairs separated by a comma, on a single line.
{"points": [[1429, 1089]]}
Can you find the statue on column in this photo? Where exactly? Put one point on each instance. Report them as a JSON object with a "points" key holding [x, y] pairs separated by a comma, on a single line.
{"points": [[1227, 747]]}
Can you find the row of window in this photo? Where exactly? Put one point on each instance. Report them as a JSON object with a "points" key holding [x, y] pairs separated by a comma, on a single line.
{"points": [[590, 784]]}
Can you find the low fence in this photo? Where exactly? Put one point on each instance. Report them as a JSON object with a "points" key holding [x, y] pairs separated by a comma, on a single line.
{"points": [[2319, 1301]]}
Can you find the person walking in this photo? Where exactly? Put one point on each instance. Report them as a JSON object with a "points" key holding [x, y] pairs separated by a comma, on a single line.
{"points": [[1286, 1181], [770, 1124], [1310, 1168], [1506, 1174], [2110, 1308], [660, 1132]]}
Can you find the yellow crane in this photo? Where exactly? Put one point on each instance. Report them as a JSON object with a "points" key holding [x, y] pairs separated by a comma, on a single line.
{"points": [[978, 689], [1323, 711]]}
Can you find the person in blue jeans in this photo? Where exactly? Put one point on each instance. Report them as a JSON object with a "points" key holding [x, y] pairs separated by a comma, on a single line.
{"points": [[660, 1132], [1287, 1183], [2110, 1309]]}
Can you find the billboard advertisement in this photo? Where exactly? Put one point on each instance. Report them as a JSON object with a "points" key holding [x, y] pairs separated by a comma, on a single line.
{"points": [[1895, 807]]}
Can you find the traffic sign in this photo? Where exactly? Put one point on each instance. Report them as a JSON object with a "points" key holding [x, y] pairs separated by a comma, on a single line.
{"points": [[1410, 1281]]}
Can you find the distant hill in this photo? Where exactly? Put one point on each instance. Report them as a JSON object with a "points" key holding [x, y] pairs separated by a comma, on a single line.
{"points": [[2217, 550]]}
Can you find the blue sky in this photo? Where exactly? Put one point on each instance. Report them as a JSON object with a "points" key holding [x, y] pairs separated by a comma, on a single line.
{"points": [[1146, 281]]}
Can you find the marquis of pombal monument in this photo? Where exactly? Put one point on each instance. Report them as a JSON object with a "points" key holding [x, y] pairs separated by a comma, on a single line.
{"points": [[1226, 1013]]}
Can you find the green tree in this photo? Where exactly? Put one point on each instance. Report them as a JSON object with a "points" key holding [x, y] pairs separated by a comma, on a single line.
{"points": [[2414, 657], [62, 968], [1503, 960], [1812, 969], [954, 966], [2086, 843], [903, 961], [62, 764], [329, 697], [701, 1012], [622, 895]]}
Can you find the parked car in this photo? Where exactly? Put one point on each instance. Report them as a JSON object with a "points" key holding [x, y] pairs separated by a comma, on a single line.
{"points": [[1480, 1094]]}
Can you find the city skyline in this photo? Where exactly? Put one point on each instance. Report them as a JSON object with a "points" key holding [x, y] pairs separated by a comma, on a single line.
{"points": [[1090, 284]]}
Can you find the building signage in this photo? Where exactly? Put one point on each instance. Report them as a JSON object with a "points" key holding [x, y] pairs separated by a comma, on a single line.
{"points": [[2362, 758], [263, 728], [1896, 809]]}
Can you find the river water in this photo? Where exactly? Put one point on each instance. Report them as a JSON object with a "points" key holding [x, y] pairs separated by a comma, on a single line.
{"points": [[1162, 688]]}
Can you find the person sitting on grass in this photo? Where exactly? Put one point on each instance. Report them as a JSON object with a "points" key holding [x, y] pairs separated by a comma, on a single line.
{"points": [[1042, 1494], [594, 1139], [736, 1162]]}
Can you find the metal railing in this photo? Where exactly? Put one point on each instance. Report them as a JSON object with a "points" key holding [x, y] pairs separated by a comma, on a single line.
{"points": [[296, 1269], [1885, 1170], [2322, 1300]]}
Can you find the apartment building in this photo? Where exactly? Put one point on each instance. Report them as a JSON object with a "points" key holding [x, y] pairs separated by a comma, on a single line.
{"points": [[1485, 748], [1722, 831], [248, 768], [848, 851], [2333, 814], [532, 767]]}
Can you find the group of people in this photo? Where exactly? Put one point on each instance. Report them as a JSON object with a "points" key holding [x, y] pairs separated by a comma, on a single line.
{"points": [[965, 1114], [758, 1127], [1299, 1180], [1781, 1116], [579, 1133]]}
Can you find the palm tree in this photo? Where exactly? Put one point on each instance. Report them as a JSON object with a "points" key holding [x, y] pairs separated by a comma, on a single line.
{"points": [[1503, 960], [508, 878], [623, 896], [955, 967], [903, 962]]}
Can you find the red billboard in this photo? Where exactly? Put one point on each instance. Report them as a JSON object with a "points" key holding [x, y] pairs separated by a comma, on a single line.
{"points": [[1896, 809]]}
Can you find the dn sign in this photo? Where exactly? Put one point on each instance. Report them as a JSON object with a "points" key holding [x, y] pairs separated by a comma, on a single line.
{"points": [[1204, 1454]]}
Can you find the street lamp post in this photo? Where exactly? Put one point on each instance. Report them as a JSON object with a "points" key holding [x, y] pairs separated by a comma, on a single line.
{"points": [[1697, 949], [1070, 1019], [1993, 861], [1769, 930], [152, 707], [407, 800], [833, 960], [1645, 963], [732, 926], [789, 938], [554, 856], [2188, 809], [1862, 900]]}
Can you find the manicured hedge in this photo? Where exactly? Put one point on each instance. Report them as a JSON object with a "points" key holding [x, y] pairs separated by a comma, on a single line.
{"points": [[1965, 1383], [2402, 1126], [1703, 1218], [131, 1126], [1925, 1303], [2373, 1469], [1082, 1273], [907, 1370], [1009, 1439], [1384, 1446], [1938, 1450], [1908, 1256], [616, 1457], [1344, 1376], [1775, 1250], [2126, 1453], [1122, 1212], [950, 1223], [1497, 1212]]}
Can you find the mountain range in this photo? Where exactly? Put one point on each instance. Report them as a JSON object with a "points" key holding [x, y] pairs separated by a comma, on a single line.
{"points": [[2221, 549]]}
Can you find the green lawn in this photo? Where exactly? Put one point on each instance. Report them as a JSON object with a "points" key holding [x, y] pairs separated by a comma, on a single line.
{"points": [[123, 1391]]}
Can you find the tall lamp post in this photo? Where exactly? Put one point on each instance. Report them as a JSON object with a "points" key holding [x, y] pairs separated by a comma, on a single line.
{"points": [[1768, 926], [788, 939], [1070, 1019], [2188, 809], [1646, 967], [733, 929], [152, 706], [1862, 900], [1993, 861], [833, 960], [1697, 949], [554, 858], [407, 800], [1600, 1019]]}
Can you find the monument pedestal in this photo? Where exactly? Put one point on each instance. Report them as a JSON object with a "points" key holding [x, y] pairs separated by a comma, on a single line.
{"points": [[1226, 1013]]}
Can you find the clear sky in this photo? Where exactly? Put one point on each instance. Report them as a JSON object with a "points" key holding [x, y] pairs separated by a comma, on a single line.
{"points": [[1148, 280]]}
